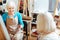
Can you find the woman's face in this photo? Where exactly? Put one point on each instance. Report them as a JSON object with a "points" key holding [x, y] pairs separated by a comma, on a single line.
{"points": [[11, 9]]}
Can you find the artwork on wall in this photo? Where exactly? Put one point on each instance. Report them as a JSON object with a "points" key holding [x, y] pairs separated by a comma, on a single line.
{"points": [[4, 1], [2, 6]]}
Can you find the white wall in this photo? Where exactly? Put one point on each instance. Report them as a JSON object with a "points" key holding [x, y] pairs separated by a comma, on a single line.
{"points": [[41, 6]]}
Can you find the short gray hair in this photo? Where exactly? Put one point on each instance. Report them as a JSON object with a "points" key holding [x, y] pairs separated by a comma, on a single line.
{"points": [[45, 22], [11, 3]]}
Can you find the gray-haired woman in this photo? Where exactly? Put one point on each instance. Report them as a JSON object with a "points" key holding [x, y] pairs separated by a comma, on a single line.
{"points": [[46, 27]]}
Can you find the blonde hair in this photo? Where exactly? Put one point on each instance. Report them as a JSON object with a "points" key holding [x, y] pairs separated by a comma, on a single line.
{"points": [[45, 22]]}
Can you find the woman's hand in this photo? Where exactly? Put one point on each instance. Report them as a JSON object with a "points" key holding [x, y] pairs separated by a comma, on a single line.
{"points": [[19, 28]]}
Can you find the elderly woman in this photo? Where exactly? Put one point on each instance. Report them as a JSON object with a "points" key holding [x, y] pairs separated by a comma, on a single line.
{"points": [[13, 21], [46, 27]]}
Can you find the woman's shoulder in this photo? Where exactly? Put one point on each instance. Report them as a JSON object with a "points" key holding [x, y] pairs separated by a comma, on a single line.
{"points": [[4, 16], [18, 13], [52, 36], [5, 13]]}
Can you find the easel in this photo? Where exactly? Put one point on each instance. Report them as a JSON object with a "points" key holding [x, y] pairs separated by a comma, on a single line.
{"points": [[57, 16], [25, 16], [55, 8], [25, 8]]}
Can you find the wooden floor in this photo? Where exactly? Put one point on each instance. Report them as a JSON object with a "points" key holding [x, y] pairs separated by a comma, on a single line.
{"points": [[32, 38]]}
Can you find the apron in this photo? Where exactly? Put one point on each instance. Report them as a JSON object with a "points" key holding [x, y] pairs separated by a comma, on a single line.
{"points": [[12, 26]]}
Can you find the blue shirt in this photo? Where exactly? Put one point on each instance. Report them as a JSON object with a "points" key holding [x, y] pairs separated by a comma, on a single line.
{"points": [[20, 21]]}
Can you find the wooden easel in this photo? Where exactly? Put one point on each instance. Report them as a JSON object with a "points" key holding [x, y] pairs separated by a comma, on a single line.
{"points": [[57, 17], [25, 15], [55, 7]]}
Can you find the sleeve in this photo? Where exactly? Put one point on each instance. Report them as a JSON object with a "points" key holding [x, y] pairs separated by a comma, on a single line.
{"points": [[4, 17], [20, 21]]}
